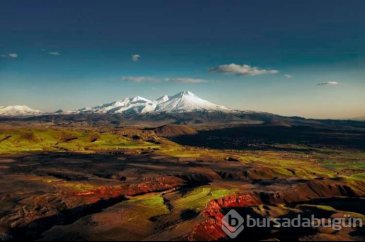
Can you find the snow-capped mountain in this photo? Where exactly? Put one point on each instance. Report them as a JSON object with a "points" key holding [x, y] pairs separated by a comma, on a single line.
{"points": [[182, 102], [135, 104], [187, 102], [18, 110]]}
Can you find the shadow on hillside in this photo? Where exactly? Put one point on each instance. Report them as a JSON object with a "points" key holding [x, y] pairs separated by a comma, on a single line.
{"points": [[299, 138]]}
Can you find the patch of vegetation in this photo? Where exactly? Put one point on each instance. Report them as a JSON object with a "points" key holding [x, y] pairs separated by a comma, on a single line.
{"points": [[360, 176], [179, 152], [24, 140], [143, 208], [198, 198], [62, 184], [320, 207]]}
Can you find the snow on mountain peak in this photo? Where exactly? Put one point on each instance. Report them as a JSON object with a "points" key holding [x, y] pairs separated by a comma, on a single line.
{"points": [[162, 99], [18, 110], [139, 99], [184, 101], [188, 102], [131, 105], [185, 93]]}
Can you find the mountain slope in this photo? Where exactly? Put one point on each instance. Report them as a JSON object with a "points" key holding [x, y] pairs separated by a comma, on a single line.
{"points": [[179, 103], [18, 110], [187, 102], [135, 104]]}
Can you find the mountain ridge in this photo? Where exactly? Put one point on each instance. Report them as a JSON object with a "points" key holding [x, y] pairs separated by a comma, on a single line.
{"points": [[183, 107], [181, 102], [18, 110]]}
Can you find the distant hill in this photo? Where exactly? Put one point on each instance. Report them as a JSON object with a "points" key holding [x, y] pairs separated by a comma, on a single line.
{"points": [[171, 130], [360, 118], [204, 118]]}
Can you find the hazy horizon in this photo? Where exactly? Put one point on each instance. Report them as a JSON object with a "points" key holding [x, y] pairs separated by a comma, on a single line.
{"points": [[289, 58]]}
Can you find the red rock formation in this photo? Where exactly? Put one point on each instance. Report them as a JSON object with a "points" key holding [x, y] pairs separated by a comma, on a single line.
{"points": [[151, 184], [210, 228]]}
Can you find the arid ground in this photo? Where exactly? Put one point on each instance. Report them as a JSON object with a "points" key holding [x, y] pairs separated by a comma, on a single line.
{"points": [[175, 182]]}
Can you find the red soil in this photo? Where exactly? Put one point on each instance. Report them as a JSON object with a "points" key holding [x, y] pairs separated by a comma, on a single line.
{"points": [[152, 184], [210, 228]]}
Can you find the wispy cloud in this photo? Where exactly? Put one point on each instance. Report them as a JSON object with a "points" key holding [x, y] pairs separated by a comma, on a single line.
{"points": [[186, 80], [140, 79], [136, 57], [13, 55], [288, 76], [10, 56], [242, 70], [150, 79], [329, 83], [54, 53]]}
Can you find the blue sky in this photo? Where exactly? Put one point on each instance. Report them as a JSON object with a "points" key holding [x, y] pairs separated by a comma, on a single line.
{"points": [[288, 57]]}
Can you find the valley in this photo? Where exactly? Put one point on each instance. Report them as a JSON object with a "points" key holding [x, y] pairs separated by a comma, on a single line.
{"points": [[174, 182]]}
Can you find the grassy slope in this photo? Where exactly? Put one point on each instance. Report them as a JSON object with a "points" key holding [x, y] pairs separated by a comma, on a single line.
{"points": [[306, 164], [319, 162], [199, 197], [44, 140]]}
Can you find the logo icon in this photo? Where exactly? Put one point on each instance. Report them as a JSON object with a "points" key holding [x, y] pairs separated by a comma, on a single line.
{"points": [[232, 224]]}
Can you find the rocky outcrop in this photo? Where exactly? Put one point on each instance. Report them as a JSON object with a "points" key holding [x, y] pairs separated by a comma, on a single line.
{"points": [[210, 228]]}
